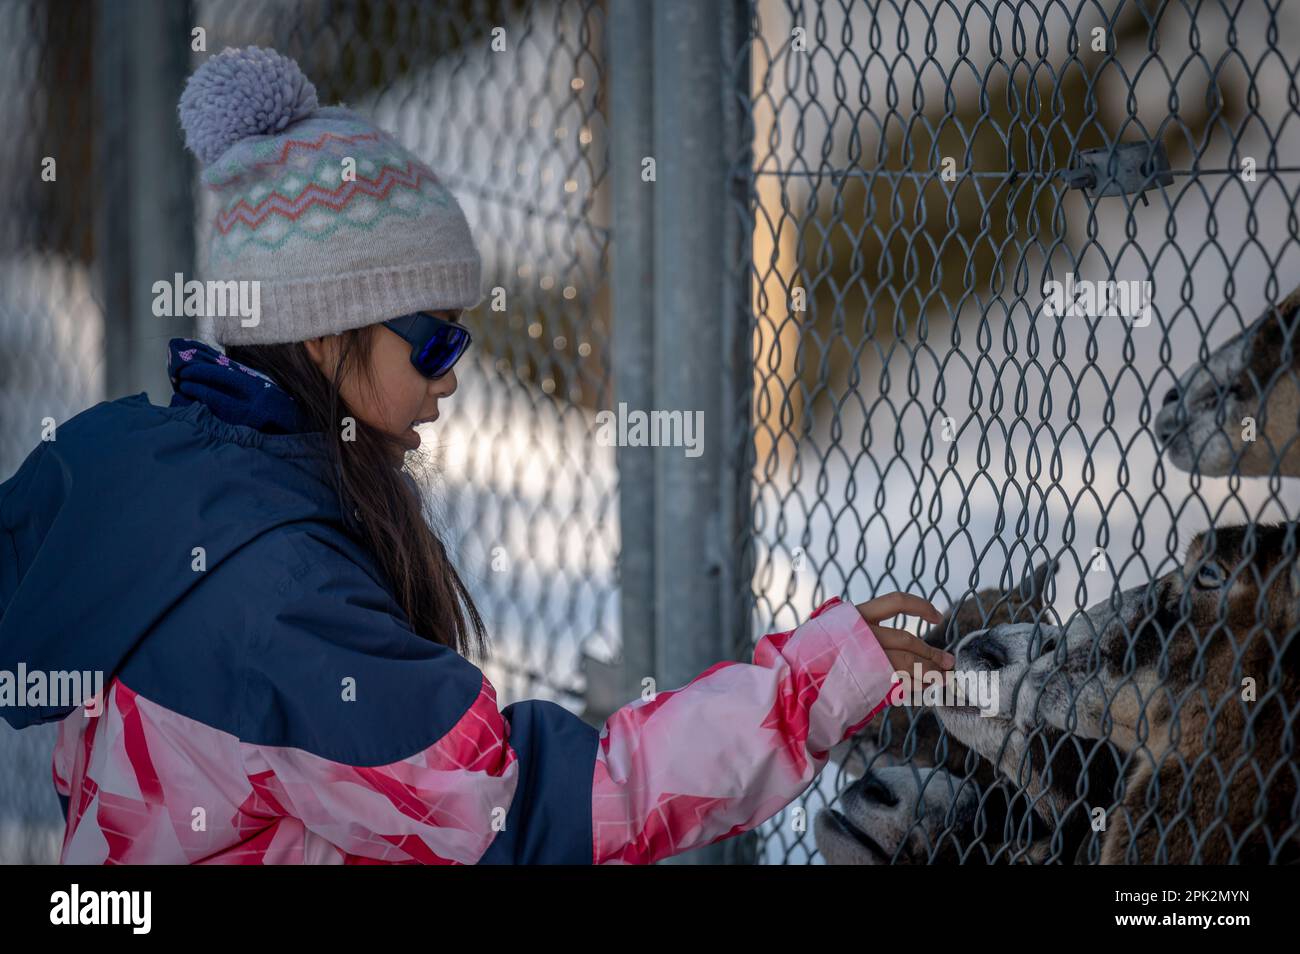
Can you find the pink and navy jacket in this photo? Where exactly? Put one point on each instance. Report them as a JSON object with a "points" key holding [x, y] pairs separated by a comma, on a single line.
{"points": [[274, 706]]}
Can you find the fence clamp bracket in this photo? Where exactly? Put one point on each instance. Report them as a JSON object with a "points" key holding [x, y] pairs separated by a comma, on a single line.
{"points": [[1126, 168]]}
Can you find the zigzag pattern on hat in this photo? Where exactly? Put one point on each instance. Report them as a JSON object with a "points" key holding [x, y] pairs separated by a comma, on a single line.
{"points": [[409, 177], [280, 156], [319, 225]]}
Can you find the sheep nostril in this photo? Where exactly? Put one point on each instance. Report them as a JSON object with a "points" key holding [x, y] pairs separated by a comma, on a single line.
{"points": [[877, 791], [988, 652]]}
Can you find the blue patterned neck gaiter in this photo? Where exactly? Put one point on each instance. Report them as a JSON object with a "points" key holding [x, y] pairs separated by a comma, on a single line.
{"points": [[234, 392]]}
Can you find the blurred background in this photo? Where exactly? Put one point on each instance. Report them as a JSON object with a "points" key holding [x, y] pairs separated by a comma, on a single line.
{"points": [[797, 268]]}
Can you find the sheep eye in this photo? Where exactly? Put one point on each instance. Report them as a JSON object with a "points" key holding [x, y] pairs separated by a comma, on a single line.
{"points": [[1210, 576]]}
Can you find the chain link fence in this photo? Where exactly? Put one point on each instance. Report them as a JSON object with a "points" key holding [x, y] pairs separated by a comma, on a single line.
{"points": [[503, 101], [932, 415], [50, 324], [524, 494], [913, 407]]}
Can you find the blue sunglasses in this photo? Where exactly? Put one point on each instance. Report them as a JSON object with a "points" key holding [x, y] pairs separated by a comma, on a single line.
{"points": [[436, 343]]}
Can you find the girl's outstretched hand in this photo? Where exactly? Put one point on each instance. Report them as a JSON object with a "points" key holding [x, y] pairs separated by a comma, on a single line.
{"points": [[902, 648]]}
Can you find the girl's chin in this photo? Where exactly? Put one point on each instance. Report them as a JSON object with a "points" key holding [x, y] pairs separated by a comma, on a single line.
{"points": [[409, 439]]}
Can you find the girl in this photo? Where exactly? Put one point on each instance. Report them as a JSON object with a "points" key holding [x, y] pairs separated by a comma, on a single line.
{"points": [[282, 638]]}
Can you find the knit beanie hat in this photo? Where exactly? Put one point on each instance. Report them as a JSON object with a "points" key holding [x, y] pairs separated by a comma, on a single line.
{"points": [[332, 244]]}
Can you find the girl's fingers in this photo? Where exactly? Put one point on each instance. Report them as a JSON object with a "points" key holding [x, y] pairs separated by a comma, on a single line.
{"points": [[907, 662], [900, 641], [892, 604], [891, 638]]}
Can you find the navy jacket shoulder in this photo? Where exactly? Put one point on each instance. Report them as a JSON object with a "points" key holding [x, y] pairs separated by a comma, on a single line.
{"points": [[207, 566]]}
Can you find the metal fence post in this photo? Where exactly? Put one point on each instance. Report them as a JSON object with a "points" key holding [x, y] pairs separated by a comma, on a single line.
{"points": [[145, 222], [691, 336], [735, 429], [630, 128]]}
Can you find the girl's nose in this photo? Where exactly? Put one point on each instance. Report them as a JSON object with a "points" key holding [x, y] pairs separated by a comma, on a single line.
{"points": [[444, 386]]}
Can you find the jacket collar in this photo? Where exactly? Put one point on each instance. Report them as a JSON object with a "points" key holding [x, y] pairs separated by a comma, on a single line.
{"points": [[234, 392]]}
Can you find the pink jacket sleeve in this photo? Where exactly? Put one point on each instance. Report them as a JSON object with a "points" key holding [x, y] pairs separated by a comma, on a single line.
{"points": [[688, 767], [738, 743], [531, 783]]}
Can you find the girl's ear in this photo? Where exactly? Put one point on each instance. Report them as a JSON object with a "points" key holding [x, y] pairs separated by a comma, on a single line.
{"points": [[315, 349], [323, 352]]}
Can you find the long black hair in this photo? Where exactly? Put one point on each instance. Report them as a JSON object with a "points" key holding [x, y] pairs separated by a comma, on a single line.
{"points": [[386, 512]]}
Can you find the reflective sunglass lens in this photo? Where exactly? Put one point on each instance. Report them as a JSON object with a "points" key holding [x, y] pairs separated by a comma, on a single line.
{"points": [[442, 351]]}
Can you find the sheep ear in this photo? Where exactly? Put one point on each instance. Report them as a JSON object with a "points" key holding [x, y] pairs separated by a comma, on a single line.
{"points": [[1033, 586], [1290, 305]]}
